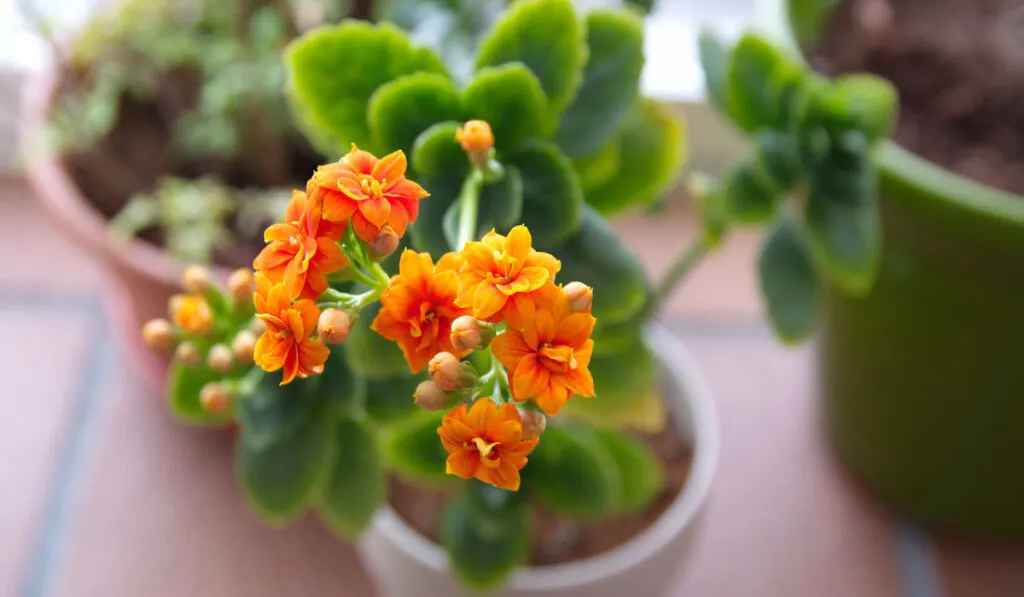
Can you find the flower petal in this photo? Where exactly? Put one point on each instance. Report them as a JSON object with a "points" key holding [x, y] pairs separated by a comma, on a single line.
{"points": [[361, 161], [308, 313], [487, 301], [416, 269], [364, 229], [351, 188], [390, 168], [579, 381], [291, 367], [338, 208], [575, 329], [519, 243], [463, 464], [531, 379], [312, 356], [509, 348], [405, 189], [270, 351], [376, 211], [279, 232], [534, 276]]}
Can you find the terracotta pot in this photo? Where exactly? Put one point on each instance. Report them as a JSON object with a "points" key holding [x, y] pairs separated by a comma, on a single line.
{"points": [[140, 277], [404, 563]]}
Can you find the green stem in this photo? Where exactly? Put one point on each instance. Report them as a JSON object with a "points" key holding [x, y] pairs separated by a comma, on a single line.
{"points": [[677, 271], [469, 207]]}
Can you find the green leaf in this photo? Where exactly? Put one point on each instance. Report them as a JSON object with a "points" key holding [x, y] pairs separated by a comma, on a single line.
{"points": [[399, 111], [862, 102], [480, 560], [427, 232], [757, 73], [546, 37], [509, 97], [552, 197], [414, 450], [596, 256], [573, 474], [338, 386], [644, 6], [714, 61], [368, 353], [777, 156], [622, 376], [789, 284], [638, 467], [808, 18], [843, 222], [280, 478], [356, 482], [273, 412], [598, 168], [390, 400], [611, 81], [184, 385], [501, 207], [750, 196], [333, 72], [615, 337], [436, 153], [652, 156]]}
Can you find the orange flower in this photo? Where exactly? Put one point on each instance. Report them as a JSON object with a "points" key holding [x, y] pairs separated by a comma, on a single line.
{"points": [[191, 313], [418, 307], [547, 351], [367, 192], [286, 343], [498, 272], [302, 251], [486, 442], [476, 140]]}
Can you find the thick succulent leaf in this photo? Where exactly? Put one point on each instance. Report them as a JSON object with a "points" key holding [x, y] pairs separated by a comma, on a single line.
{"points": [[598, 168], [546, 36], [370, 355], [778, 158], [714, 61], [390, 400], [789, 284], [436, 153], [596, 256], [758, 73], [621, 377], [750, 195], [414, 449], [808, 18], [651, 149], [573, 473], [184, 384], [645, 413], [862, 102], [333, 71], [338, 387], [428, 231], [273, 412], [481, 560], [611, 81], [355, 483], [509, 97], [280, 478], [552, 196], [637, 466], [400, 110], [501, 207]]}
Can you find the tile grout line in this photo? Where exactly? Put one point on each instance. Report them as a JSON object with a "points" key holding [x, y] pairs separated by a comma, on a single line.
{"points": [[917, 562], [75, 450]]}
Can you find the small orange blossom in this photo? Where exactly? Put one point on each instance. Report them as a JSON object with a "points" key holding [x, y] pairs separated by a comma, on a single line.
{"points": [[486, 442], [286, 343], [191, 313]]}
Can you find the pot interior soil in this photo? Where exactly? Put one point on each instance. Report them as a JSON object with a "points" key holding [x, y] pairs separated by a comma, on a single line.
{"points": [[959, 69], [557, 540]]}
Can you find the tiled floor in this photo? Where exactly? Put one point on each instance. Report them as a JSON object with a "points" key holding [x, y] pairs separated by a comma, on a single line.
{"points": [[102, 494]]}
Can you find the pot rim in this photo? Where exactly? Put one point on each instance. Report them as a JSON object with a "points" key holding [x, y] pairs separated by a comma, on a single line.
{"points": [[676, 362], [64, 201], [984, 209]]}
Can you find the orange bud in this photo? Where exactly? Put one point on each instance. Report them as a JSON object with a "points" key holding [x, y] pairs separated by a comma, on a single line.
{"points": [[157, 334], [334, 326], [191, 313], [477, 140], [196, 279], [580, 296], [465, 333], [445, 370], [384, 245], [244, 345], [187, 354], [220, 359], [215, 398], [534, 423], [240, 285], [430, 396]]}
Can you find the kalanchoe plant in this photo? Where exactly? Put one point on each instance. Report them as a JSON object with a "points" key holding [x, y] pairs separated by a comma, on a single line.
{"points": [[455, 361]]}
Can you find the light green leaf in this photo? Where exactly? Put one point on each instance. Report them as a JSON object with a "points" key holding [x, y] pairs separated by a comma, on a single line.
{"points": [[509, 97], [638, 467], [184, 384], [573, 473], [436, 153], [620, 377], [652, 156], [611, 81], [368, 353], [552, 197], [427, 232], [414, 450], [273, 412], [789, 284], [399, 111], [483, 561], [862, 102], [757, 74], [714, 61], [356, 482], [390, 400], [333, 71], [546, 37], [598, 168]]}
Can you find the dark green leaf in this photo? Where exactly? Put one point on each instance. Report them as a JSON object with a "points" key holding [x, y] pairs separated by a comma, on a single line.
{"points": [[479, 560], [808, 17], [757, 73], [333, 71], [573, 473], [789, 284], [184, 385], [546, 37], [501, 207], [368, 353], [714, 60], [399, 111], [339, 387], [552, 197], [414, 450], [436, 153], [280, 478], [611, 80], [622, 376], [638, 467], [390, 400], [509, 97], [778, 158], [273, 412], [597, 169], [356, 482], [427, 231], [613, 338], [596, 256], [492, 511], [644, 6], [750, 196], [651, 150]]}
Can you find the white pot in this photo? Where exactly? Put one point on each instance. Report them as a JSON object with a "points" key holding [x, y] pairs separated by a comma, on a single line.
{"points": [[403, 563]]}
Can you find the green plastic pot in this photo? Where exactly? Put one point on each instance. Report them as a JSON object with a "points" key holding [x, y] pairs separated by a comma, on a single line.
{"points": [[923, 379]]}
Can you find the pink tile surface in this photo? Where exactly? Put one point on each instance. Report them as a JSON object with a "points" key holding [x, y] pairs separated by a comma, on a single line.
{"points": [[39, 398]]}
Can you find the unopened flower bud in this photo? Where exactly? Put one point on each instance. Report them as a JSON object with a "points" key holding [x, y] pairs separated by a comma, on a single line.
{"points": [[446, 371], [334, 326], [580, 296], [220, 359], [465, 333], [257, 327], [430, 396], [187, 354], [384, 245], [534, 423], [244, 345], [157, 334], [240, 286], [215, 398], [476, 140], [191, 313], [196, 279]]}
